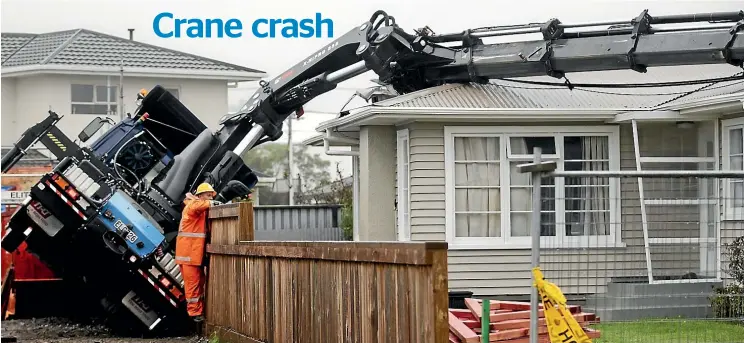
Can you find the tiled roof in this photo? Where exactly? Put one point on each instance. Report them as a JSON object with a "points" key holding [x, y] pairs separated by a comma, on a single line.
{"points": [[507, 94], [83, 47]]}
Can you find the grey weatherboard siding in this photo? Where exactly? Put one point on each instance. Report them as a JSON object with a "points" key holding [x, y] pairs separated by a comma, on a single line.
{"points": [[501, 272]]}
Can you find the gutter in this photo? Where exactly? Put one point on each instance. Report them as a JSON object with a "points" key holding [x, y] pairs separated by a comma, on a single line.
{"points": [[457, 114], [707, 102], [711, 105], [132, 71], [329, 137], [313, 140]]}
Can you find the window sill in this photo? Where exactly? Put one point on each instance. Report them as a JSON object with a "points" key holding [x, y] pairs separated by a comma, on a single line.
{"points": [[521, 246], [732, 215]]}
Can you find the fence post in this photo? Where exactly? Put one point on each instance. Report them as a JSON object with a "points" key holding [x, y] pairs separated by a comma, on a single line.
{"points": [[537, 168], [535, 232], [231, 223]]}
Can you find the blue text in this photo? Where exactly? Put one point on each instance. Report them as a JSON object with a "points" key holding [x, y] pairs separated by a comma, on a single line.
{"points": [[167, 25], [195, 28], [292, 28]]}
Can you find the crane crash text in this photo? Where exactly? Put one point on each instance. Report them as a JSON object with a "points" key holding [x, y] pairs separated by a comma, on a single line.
{"points": [[168, 25]]}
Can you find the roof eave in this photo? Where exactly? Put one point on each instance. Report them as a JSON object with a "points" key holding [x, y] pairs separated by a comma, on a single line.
{"points": [[314, 140], [701, 108], [366, 114], [709, 102], [231, 75]]}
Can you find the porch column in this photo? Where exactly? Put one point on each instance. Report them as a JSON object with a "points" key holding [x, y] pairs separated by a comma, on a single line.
{"points": [[377, 183], [355, 190]]}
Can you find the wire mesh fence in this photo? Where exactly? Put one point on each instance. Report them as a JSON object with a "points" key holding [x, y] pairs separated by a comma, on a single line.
{"points": [[657, 256]]}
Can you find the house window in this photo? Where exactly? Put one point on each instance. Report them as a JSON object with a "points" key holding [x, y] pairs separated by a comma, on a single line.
{"points": [[93, 99], [733, 159], [490, 203], [404, 227]]}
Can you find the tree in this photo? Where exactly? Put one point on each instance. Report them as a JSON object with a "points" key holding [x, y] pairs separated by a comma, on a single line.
{"points": [[273, 159], [337, 192]]}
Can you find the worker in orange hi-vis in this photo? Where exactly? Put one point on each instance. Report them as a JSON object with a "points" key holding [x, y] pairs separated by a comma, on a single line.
{"points": [[190, 244]]}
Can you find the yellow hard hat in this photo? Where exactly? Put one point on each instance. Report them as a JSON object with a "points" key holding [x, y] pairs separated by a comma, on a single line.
{"points": [[204, 187]]}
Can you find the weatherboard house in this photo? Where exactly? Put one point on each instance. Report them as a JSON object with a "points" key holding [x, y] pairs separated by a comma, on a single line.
{"points": [[439, 164], [78, 73]]}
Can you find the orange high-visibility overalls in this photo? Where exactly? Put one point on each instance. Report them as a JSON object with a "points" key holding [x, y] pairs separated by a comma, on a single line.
{"points": [[190, 252]]}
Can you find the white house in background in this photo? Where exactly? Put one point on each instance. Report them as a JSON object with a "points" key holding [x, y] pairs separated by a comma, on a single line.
{"points": [[439, 165], [76, 73]]}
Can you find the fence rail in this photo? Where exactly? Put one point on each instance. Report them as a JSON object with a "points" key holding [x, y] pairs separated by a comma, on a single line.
{"points": [[322, 291], [658, 255]]}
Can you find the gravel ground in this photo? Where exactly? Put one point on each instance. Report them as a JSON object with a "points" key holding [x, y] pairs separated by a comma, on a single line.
{"points": [[45, 330]]}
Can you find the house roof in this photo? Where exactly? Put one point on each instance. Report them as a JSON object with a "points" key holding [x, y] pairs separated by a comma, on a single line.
{"points": [[512, 99], [84, 49], [507, 94]]}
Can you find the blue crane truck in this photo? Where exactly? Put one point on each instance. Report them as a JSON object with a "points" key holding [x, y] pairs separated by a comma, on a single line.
{"points": [[108, 214], [105, 215]]}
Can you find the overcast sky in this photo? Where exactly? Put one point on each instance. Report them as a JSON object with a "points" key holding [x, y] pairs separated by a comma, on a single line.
{"points": [[278, 54]]}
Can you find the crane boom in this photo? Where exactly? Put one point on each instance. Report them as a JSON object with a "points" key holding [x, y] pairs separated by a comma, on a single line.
{"points": [[410, 62]]}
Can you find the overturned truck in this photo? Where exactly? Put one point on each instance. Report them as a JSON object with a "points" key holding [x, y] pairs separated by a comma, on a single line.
{"points": [[106, 216]]}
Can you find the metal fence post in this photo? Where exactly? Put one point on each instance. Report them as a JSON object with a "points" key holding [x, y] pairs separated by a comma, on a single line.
{"points": [[535, 232], [537, 168]]}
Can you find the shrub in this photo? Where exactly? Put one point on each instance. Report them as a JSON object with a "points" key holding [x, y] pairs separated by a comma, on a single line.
{"points": [[347, 220], [736, 260], [728, 302]]}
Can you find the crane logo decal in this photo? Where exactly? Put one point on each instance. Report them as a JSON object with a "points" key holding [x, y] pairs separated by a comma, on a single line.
{"points": [[320, 53], [56, 141]]}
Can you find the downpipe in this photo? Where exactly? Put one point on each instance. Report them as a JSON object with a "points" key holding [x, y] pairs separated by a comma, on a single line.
{"points": [[329, 137]]}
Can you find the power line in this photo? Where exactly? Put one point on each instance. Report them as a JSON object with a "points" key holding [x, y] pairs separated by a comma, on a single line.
{"points": [[614, 93], [631, 85]]}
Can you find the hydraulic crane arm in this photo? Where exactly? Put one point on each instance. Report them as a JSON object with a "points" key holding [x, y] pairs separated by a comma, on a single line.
{"points": [[411, 62], [45, 132]]}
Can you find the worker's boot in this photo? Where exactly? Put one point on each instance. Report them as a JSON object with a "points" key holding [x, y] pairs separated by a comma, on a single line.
{"points": [[198, 325]]}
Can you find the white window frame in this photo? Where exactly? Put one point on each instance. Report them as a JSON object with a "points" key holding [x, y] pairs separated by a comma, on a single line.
{"points": [[176, 88], [505, 241], [404, 185], [112, 102], [729, 211]]}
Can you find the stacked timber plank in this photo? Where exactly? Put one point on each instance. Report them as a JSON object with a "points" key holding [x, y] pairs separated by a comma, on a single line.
{"points": [[509, 322]]}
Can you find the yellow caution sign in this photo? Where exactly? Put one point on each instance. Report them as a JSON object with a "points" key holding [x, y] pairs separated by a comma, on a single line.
{"points": [[562, 326]]}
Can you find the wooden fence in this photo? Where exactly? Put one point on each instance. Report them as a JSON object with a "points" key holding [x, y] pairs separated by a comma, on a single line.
{"points": [[270, 291]]}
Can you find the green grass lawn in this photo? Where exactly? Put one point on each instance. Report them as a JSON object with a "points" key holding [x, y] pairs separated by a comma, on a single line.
{"points": [[670, 331]]}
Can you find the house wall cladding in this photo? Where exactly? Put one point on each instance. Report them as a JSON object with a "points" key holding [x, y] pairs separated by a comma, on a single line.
{"points": [[577, 271], [730, 229]]}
